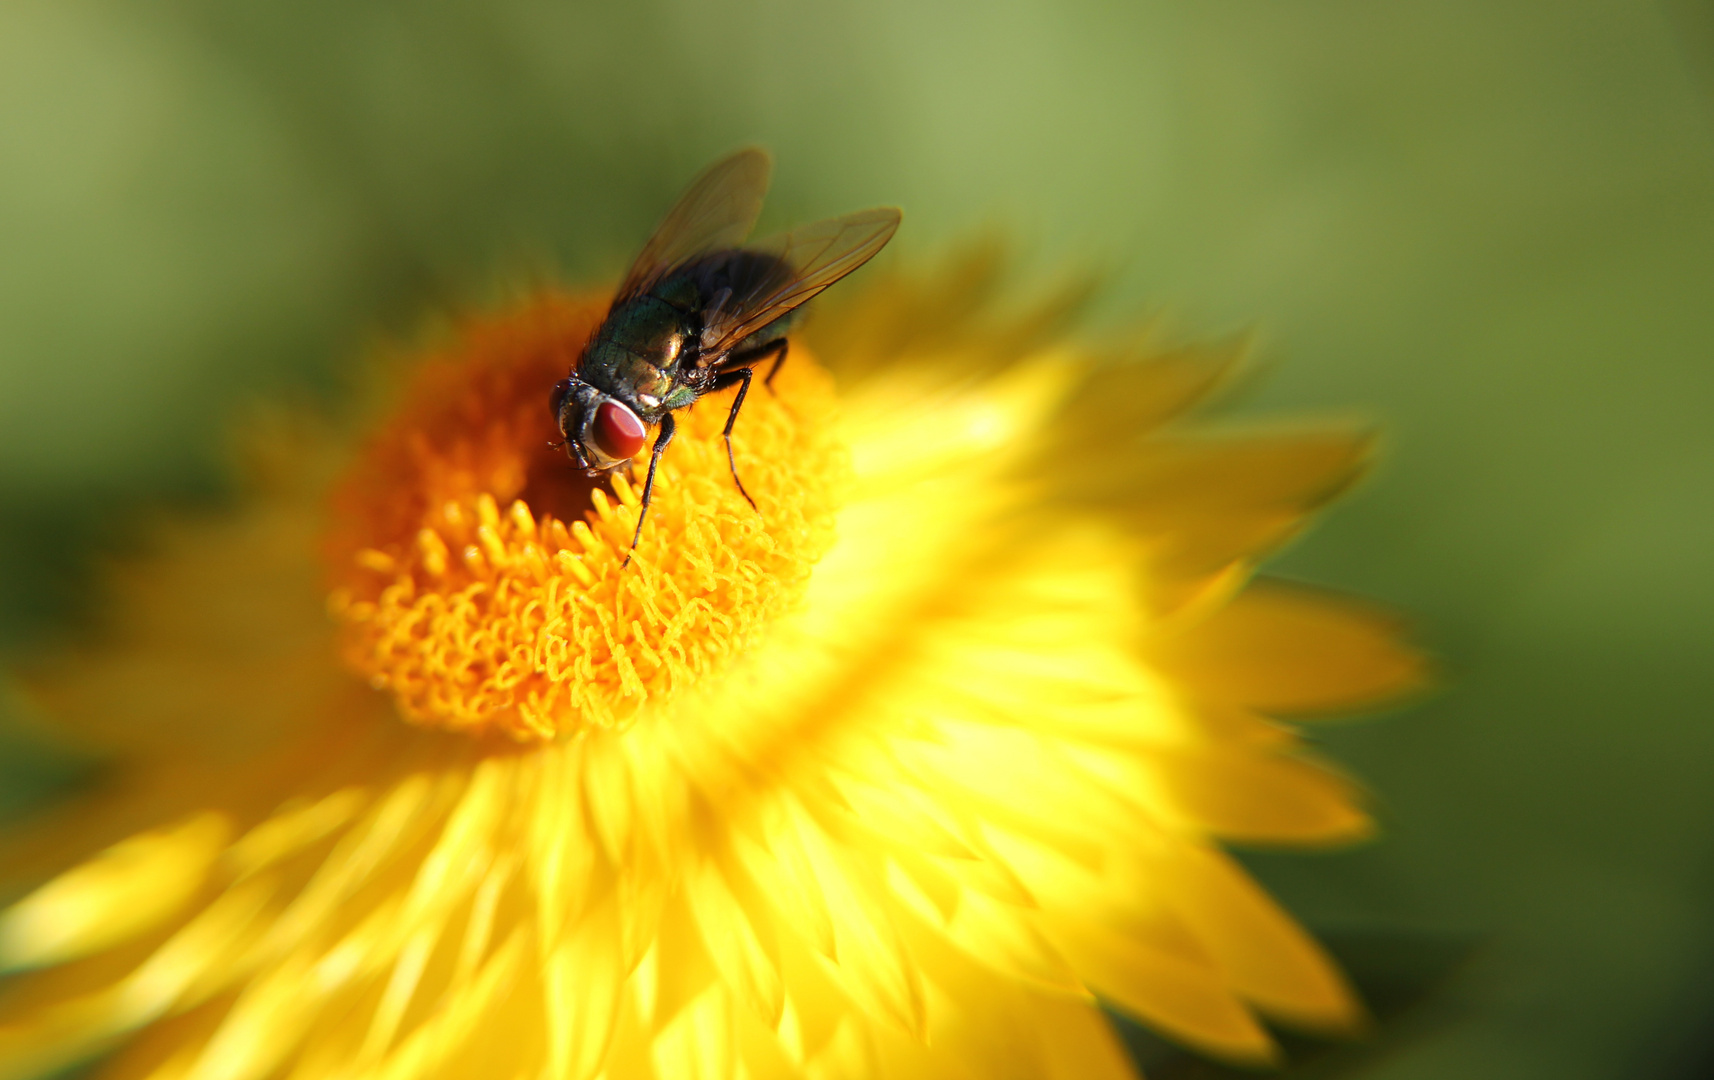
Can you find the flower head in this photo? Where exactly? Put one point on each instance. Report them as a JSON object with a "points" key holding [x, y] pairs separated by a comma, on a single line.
{"points": [[897, 773], [484, 580]]}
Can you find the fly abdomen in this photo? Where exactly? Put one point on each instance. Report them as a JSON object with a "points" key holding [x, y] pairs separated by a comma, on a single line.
{"points": [[744, 275]]}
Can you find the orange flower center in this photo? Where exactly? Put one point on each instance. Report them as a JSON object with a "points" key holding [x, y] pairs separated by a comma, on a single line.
{"points": [[478, 573]]}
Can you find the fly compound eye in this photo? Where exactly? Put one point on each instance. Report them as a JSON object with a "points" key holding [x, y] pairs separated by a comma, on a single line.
{"points": [[617, 432]]}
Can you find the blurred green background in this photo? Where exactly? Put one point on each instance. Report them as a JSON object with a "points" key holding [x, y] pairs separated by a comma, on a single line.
{"points": [[1489, 223]]}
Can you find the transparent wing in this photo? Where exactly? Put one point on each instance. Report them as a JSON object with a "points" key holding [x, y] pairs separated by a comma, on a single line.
{"points": [[818, 255], [717, 211]]}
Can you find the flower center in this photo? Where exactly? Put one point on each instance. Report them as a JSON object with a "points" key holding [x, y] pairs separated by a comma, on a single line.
{"points": [[479, 575]]}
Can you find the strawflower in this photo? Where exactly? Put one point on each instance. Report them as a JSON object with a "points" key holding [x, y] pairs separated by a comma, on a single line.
{"points": [[904, 772]]}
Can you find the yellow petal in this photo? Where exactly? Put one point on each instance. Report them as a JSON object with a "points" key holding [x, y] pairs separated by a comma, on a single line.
{"points": [[1077, 1042], [738, 935], [583, 976], [291, 830], [1006, 939], [1176, 996], [679, 966], [194, 962], [606, 786], [1290, 649], [127, 889], [265, 1024], [1244, 796], [874, 967], [1254, 474], [438, 1043], [700, 1042], [1198, 506], [1133, 393], [783, 872], [1269, 958]]}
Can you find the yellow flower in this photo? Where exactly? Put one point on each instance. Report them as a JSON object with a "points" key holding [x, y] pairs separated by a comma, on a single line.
{"points": [[899, 773]]}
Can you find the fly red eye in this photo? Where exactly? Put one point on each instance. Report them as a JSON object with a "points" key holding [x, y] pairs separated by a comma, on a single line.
{"points": [[617, 431]]}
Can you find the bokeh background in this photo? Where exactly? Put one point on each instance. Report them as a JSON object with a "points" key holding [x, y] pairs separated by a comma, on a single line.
{"points": [[1488, 223]]}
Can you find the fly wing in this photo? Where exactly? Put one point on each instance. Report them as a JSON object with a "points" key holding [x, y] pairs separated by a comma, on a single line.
{"points": [[818, 255], [717, 211]]}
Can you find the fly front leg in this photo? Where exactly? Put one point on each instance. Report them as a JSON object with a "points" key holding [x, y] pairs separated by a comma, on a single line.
{"points": [[668, 427], [740, 377]]}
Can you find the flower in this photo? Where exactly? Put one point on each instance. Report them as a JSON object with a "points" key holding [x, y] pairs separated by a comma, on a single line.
{"points": [[900, 772]]}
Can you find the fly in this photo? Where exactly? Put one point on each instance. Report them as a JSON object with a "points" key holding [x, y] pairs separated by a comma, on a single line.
{"points": [[697, 313]]}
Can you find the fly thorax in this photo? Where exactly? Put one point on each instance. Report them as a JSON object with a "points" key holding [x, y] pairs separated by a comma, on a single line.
{"points": [[679, 292], [649, 330]]}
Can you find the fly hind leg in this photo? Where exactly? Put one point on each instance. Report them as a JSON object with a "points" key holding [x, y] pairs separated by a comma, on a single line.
{"points": [[753, 357], [739, 377], [779, 359]]}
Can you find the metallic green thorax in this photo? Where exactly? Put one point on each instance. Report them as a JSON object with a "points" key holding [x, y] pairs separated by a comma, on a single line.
{"points": [[648, 353], [639, 355]]}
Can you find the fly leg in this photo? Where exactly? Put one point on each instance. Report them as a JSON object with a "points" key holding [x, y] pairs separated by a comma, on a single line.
{"points": [[741, 377], [752, 357], [775, 370], [661, 440]]}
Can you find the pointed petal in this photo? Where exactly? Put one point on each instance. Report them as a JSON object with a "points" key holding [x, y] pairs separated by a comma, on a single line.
{"points": [[682, 968], [700, 1043], [1078, 1042], [737, 936], [1246, 797], [1260, 474], [1269, 958], [874, 968], [783, 873], [291, 830], [607, 787], [265, 1024], [1131, 395], [1290, 649], [584, 975], [1180, 998], [447, 1036], [127, 889], [1006, 939]]}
